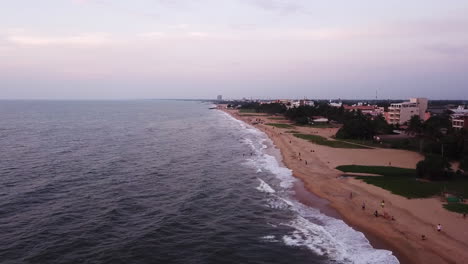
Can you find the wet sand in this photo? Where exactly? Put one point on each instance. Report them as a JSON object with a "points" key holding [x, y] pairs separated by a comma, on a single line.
{"points": [[413, 217]]}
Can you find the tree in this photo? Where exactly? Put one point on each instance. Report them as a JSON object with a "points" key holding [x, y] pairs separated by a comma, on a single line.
{"points": [[358, 127], [464, 164], [433, 167], [415, 126]]}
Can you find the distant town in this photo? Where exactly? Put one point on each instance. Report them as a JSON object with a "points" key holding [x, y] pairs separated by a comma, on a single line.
{"points": [[395, 112]]}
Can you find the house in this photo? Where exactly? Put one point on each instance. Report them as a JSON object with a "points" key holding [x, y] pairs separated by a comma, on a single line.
{"points": [[319, 119], [372, 110], [459, 117], [460, 122]]}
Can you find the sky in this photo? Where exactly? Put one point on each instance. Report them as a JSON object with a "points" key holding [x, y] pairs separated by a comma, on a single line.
{"points": [[141, 49]]}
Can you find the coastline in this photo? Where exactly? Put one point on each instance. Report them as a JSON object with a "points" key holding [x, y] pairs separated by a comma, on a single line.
{"points": [[413, 217]]}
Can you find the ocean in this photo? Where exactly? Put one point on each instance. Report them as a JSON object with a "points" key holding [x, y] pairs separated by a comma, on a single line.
{"points": [[154, 181]]}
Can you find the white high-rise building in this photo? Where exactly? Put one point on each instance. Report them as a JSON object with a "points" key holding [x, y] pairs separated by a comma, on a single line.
{"points": [[402, 112]]}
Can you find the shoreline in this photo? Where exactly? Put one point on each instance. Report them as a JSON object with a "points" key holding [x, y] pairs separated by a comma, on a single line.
{"points": [[320, 179]]}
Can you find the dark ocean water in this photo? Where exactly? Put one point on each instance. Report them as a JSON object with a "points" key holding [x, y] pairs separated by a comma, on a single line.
{"points": [[153, 182]]}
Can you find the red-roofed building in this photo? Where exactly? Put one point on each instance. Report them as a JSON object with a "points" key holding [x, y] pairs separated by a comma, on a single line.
{"points": [[372, 110]]}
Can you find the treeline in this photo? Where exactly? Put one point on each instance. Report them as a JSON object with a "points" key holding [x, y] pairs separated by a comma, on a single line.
{"points": [[436, 136], [440, 143], [356, 125], [302, 114], [360, 126], [273, 108]]}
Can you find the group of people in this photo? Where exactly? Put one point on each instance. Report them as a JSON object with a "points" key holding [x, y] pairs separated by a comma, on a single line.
{"points": [[376, 212]]}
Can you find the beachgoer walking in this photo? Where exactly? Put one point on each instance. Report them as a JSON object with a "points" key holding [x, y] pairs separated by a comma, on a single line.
{"points": [[351, 195], [363, 206], [439, 227], [376, 213], [306, 162], [382, 204]]}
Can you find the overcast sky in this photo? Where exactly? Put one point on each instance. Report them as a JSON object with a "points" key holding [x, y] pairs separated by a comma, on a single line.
{"points": [[127, 49]]}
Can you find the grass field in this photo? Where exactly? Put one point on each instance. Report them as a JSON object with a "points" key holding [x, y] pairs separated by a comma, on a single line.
{"points": [[247, 111], [325, 142], [292, 132], [380, 170], [252, 115], [277, 118], [279, 125], [402, 181], [321, 125], [369, 143], [457, 208]]}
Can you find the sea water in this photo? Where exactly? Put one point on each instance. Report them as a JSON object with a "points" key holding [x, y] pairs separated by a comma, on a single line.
{"points": [[154, 182]]}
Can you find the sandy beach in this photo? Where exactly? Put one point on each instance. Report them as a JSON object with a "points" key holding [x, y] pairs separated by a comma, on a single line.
{"points": [[413, 217]]}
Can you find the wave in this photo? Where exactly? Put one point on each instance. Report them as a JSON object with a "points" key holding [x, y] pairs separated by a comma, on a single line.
{"points": [[323, 235], [264, 187]]}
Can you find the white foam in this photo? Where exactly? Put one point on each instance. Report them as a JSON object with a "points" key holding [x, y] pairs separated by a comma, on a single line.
{"points": [[269, 238], [332, 238], [323, 235], [264, 187]]}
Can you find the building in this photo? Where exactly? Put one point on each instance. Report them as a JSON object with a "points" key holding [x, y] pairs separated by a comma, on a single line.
{"points": [[319, 119], [305, 102], [401, 113], [459, 117], [220, 98], [460, 122], [372, 110]]}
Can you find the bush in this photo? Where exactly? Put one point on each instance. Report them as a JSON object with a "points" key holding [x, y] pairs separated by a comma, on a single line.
{"points": [[464, 164], [433, 167]]}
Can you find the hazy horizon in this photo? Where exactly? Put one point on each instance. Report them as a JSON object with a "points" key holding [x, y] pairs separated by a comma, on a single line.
{"points": [[180, 49]]}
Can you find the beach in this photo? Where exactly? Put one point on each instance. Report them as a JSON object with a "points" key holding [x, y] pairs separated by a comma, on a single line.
{"points": [[315, 166]]}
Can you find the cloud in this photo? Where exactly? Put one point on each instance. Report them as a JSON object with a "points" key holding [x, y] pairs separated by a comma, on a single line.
{"points": [[448, 49], [152, 35], [281, 6], [198, 34], [74, 40]]}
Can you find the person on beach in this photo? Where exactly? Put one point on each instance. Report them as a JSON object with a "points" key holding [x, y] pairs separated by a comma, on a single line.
{"points": [[382, 204], [464, 215], [376, 213], [306, 162], [363, 206], [351, 195], [439, 228], [423, 237]]}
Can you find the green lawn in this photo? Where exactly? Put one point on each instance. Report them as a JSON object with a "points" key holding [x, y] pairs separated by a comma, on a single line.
{"points": [[402, 181], [457, 208], [292, 131], [380, 170], [247, 111], [252, 115], [277, 118], [369, 143], [279, 125], [330, 143], [321, 125]]}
